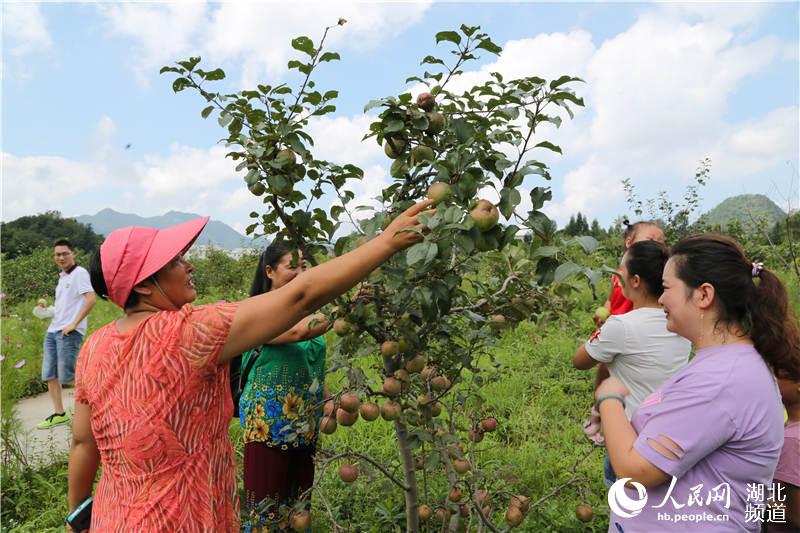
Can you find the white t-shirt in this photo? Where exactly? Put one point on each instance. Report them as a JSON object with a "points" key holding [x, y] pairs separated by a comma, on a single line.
{"points": [[639, 351], [69, 299]]}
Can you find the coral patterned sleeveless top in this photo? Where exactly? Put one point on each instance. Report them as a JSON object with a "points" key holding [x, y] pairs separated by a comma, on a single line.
{"points": [[161, 408]]}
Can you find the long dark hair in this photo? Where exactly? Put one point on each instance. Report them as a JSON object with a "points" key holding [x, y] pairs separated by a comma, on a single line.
{"points": [[269, 257], [748, 294], [646, 259]]}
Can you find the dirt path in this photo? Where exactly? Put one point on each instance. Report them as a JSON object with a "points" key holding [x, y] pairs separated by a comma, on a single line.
{"points": [[43, 446]]}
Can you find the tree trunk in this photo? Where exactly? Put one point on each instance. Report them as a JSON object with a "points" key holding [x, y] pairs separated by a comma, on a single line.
{"points": [[410, 476], [409, 468]]}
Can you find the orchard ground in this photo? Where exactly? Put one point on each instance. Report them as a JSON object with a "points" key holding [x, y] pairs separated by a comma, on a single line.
{"points": [[539, 401]]}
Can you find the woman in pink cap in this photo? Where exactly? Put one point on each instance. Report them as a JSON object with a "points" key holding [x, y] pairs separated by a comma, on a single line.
{"points": [[152, 398]]}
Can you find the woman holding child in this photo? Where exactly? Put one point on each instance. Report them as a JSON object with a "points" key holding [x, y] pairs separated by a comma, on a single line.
{"points": [[636, 346], [716, 426]]}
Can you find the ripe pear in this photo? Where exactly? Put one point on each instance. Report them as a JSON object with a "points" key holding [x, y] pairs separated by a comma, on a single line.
{"points": [[257, 188], [424, 512], [327, 425], [485, 215], [390, 410], [393, 148], [461, 466], [489, 424], [286, 155], [514, 516], [390, 348], [349, 402], [392, 386], [420, 154], [346, 418], [341, 327], [300, 521], [584, 513], [439, 192], [370, 411], [426, 101], [348, 473], [436, 123], [415, 364]]}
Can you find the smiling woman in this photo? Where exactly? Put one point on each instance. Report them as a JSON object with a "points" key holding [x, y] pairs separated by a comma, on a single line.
{"points": [[152, 397], [696, 429]]}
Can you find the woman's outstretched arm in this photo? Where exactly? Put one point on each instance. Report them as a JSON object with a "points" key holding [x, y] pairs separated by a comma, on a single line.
{"points": [[261, 318]]}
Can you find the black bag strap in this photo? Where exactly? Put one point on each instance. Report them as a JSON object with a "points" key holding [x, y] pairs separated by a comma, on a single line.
{"points": [[244, 376]]}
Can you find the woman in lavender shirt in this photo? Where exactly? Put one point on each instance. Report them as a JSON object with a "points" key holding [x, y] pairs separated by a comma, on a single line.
{"points": [[702, 449]]}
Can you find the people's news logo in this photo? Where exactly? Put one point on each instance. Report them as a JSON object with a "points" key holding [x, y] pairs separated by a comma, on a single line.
{"points": [[765, 503], [621, 504]]}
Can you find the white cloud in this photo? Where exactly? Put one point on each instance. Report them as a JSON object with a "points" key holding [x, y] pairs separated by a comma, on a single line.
{"points": [[659, 93], [163, 31], [24, 28], [757, 145], [186, 170], [255, 35]]}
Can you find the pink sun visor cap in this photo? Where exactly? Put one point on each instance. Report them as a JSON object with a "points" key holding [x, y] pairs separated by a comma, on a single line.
{"points": [[133, 254]]}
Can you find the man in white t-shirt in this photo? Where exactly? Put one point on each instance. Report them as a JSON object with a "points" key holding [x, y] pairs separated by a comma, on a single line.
{"points": [[74, 299]]}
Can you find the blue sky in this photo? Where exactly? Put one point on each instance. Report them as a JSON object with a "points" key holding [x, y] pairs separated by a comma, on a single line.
{"points": [[667, 85]]}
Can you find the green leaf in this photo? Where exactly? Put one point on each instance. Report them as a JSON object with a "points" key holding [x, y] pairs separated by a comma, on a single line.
{"points": [[329, 56], [565, 271], [465, 242], [464, 132], [421, 253], [509, 199], [216, 74], [207, 111], [372, 104], [224, 119], [540, 195], [588, 243], [190, 63], [252, 177], [469, 30], [431, 60], [567, 96], [489, 46], [424, 297], [180, 84], [562, 80], [549, 146], [394, 125], [171, 69], [303, 44], [544, 251], [451, 36]]}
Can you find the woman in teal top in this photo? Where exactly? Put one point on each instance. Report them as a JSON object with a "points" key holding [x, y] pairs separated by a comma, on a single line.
{"points": [[281, 402]]}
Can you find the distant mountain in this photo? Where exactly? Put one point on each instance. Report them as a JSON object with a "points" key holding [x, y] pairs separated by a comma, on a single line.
{"points": [[216, 232], [747, 209]]}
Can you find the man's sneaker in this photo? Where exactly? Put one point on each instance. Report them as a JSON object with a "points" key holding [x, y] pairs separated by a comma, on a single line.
{"points": [[56, 419]]}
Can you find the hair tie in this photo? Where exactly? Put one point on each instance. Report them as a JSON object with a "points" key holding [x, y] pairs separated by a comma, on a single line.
{"points": [[757, 268]]}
